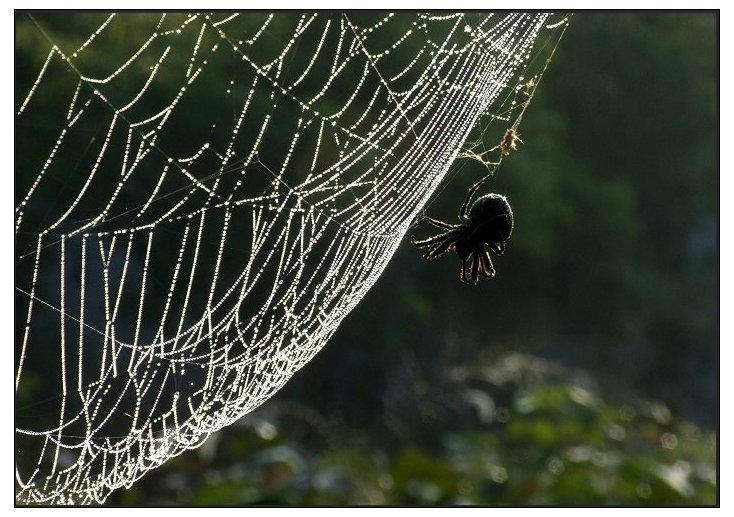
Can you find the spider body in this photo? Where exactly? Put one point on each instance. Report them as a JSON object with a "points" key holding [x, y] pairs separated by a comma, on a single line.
{"points": [[488, 222]]}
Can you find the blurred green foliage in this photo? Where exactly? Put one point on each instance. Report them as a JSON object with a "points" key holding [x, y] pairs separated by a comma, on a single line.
{"points": [[612, 270], [557, 442]]}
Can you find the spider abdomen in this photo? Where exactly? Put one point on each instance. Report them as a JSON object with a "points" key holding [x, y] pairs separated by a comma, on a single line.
{"points": [[490, 219]]}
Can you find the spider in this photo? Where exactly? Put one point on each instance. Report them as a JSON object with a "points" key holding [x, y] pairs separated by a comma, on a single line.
{"points": [[489, 221]]}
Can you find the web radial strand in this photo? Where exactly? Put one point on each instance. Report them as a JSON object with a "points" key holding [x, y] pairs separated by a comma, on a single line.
{"points": [[200, 202]]}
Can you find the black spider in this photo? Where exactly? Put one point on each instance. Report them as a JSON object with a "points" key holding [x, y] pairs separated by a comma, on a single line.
{"points": [[489, 222]]}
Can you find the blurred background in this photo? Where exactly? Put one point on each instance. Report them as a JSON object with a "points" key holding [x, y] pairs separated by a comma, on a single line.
{"points": [[586, 372]]}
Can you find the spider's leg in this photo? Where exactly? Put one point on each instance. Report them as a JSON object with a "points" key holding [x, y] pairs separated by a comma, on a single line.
{"points": [[462, 273], [430, 240], [440, 224], [472, 190], [475, 268], [498, 247], [440, 248], [487, 266]]}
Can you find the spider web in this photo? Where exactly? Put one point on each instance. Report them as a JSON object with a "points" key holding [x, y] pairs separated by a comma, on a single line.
{"points": [[201, 199]]}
